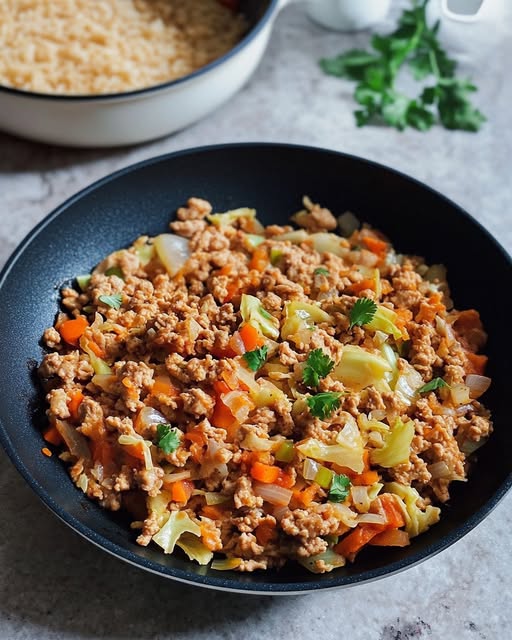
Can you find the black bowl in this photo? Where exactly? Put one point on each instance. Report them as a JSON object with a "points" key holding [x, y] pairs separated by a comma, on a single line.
{"points": [[272, 178]]}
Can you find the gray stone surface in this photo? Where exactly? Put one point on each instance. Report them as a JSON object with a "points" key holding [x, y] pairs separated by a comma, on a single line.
{"points": [[55, 585]]}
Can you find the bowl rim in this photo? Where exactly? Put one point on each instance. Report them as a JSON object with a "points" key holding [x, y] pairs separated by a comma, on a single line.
{"points": [[144, 91], [225, 583]]}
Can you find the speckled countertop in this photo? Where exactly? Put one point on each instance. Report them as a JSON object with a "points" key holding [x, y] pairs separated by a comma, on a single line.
{"points": [[55, 585]]}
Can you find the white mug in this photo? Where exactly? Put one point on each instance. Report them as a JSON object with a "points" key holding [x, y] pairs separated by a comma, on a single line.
{"points": [[347, 15]]}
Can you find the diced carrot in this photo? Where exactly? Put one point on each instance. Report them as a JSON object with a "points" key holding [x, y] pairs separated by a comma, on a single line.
{"points": [[213, 511], [365, 478], [394, 516], [362, 285], [224, 352], [225, 270], [366, 459], [429, 309], [135, 450], [265, 472], [74, 402], [476, 363], [52, 436], [181, 490], [198, 442], [72, 330], [96, 349], [305, 497], [196, 436], [403, 316], [259, 259], [284, 480], [221, 387], [251, 337], [232, 289], [102, 452], [163, 385], [222, 417], [391, 538], [46, 452], [346, 471], [355, 541], [375, 245], [265, 532]]}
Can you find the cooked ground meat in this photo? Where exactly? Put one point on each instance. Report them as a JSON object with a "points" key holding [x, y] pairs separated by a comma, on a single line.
{"points": [[265, 394]]}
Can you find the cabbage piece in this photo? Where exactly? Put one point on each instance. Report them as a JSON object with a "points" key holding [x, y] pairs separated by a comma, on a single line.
{"points": [[226, 564], [100, 366], [157, 506], [329, 558], [407, 384], [146, 447], [397, 445], [177, 524], [329, 243], [392, 358], [347, 452], [145, 252], [252, 241], [173, 251], [384, 320], [194, 548], [254, 313], [359, 368], [295, 237], [230, 217], [416, 520], [300, 316]]}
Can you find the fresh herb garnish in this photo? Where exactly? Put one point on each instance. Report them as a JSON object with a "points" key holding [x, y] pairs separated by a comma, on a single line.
{"points": [[167, 438], [115, 271], [435, 383], [318, 365], [416, 45], [114, 301], [362, 312], [321, 271], [256, 359], [323, 405], [340, 488]]}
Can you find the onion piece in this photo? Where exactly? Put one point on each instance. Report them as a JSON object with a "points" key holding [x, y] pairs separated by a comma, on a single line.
{"points": [[310, 469], [459, 394], [239, 403], [147, 417], [360, 498], [439, 470], [173, 252], [371, 518], [75, 441], [175, 477], [477, 385], [272, 493], [280, 512], [252, 442]]}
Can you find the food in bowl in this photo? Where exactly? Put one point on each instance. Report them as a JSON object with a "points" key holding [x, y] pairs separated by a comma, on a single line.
{"points": [[254, 395], [88, 47]]}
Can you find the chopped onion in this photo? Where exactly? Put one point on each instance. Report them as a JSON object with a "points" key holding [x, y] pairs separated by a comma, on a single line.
{"points": [[280, 512], [371, 518], [477, 385], [175, 477], [459, 393], [173, 252], [252, 442], [211, 464], [82, 482], [105, 381], [470, 446], [377, 414], [239, 403], [148, 417], [439, 470], [310, 469], [212, 497], [237, 344], [272, 493], [360, 498], [75, 442]]}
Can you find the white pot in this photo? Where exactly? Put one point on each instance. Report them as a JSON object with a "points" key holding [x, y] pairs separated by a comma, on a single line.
{"points": [[137, 116], [465, 25]]}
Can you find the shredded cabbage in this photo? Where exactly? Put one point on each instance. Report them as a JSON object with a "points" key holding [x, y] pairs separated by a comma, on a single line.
{"points": [[230, 217], [300, 316], [347, 452], [255, 314], [416, 520], [177, 524], [194, 548], [397, 445], [146, 447], [384, 320], [408, 383], [329, 243], [329, 558], [157, 506], [359, 368]]}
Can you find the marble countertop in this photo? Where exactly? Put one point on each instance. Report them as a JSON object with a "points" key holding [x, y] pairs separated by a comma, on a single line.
{"points": [[54, 585]]}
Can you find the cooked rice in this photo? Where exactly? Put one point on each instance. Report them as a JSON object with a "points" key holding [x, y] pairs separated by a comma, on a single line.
{"points": [[110, 46]]}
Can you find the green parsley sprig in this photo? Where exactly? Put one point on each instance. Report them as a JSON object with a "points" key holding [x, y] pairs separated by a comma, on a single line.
{"points": [[318, 366], [413, 44], [340, 488], [114, 301], [257, 358], [362, 312], [323, 405], [435, 383], [168, 438]]}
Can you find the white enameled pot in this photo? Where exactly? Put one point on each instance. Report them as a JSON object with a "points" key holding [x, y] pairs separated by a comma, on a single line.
{"points": [[136, 116]]}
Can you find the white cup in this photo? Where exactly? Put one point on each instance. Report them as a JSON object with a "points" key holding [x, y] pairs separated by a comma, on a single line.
{"points": [[347, 15]]}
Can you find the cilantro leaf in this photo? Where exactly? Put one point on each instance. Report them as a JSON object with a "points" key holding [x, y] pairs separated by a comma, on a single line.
{"points": [[115, 300], [256, 359], [321, 271], [435, 383], [168, 438], [362, 312], [318, 365], [323, 405], [340, 488]]}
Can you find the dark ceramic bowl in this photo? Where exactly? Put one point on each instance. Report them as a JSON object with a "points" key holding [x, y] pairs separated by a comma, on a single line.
{"points": [[272, 178]]}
